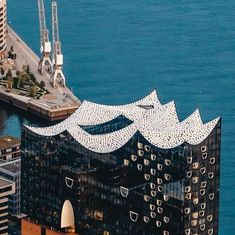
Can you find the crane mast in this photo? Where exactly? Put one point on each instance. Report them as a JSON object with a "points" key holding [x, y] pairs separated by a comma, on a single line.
{"points": [[57, 75], [45, 63]]}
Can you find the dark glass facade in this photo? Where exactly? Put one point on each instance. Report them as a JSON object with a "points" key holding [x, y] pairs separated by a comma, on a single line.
{"points": [[137, 189]]}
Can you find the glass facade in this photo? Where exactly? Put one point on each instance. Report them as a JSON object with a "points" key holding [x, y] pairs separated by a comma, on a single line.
{"points": [[137, 189]]}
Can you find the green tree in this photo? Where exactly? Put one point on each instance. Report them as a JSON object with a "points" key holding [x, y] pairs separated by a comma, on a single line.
{"points": [[32, 77], [32, 91], [42, 84], [16, 81], [9, 74], [2, 72], [27, 69], [18, 73]]}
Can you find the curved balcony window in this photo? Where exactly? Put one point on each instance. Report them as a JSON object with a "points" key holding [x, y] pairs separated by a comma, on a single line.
{"points": [[211, 175], [194, 223], [203, 170], [141, 153], [140, 145], [124, 191], [146, 162], [167, 162], [153, 214], [159, 202], [153, 157], [139, 167], [166, 219], [202, 192], [189, 174], [203, 184], [187, 189], [146, 219], [147, 148], [187, 210], [204, 156], [212, 160], [202, 227], [153, 171], [152, 207], [210, 231], [189, 160], [201, 213], [153, 193], [159, 181], [158, 223], [195, 165], [187, 231], [203, 206], [203, 148], [211, 196], [159, 167], [152, 185], [133, 157], [147, 176], [159, 210], [134, 216], [146, 198], [209, 218], [69, 182]]}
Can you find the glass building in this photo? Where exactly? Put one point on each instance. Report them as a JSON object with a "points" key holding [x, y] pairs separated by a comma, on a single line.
{"points": [[126, 170]]}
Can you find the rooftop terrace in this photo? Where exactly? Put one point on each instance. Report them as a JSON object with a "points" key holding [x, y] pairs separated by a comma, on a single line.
{"points": [[8, 142]]}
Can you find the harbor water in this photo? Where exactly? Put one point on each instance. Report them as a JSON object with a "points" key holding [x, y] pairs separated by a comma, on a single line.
{"points": [[117, 51]]}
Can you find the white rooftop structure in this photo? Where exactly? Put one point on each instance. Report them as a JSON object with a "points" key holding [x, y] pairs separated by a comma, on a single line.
{"points": [[159, 125]]}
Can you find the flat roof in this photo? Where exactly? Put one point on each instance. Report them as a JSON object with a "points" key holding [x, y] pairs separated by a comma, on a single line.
{"points": [[8, 142], [4, 182], [12, 166]]}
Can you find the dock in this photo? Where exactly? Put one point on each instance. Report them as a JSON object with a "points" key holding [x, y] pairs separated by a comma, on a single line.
{"points": [[57, 104]]}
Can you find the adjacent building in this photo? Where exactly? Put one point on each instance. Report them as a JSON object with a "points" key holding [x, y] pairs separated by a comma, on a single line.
{"points": [[3, 28], [6, 188], [9, 148], [12, 171], [123, 170]]}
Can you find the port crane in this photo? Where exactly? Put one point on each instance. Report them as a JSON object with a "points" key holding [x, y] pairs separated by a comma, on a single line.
{"points": [[45, 63], [57, 75]]}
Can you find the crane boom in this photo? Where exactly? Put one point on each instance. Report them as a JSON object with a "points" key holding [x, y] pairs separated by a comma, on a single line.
{"points": [[45, 44], [57, 54]]}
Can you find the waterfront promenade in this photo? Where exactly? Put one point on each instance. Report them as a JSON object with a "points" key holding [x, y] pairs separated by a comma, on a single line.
{"points": [[59, 103]]}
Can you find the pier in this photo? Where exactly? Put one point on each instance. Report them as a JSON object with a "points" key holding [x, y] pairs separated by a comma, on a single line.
{"points": [[57, 104]]}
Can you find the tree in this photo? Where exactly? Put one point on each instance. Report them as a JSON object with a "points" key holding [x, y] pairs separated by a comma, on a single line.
{"points": [[16, 82], [42, 84], [28, 69], [2, 72], [10, 54], [18, 73], [32, 77], [9, 74], [32, 91]]}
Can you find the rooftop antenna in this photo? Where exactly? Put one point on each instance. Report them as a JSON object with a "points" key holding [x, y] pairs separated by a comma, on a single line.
{"points": [[45, 63], [57, 74]]}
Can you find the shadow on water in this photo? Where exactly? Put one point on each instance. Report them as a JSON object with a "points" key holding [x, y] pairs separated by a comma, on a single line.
{"points": [[12, 119]]}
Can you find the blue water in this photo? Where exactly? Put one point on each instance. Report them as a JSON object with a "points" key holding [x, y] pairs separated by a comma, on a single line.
{"points": [[117, 51]]}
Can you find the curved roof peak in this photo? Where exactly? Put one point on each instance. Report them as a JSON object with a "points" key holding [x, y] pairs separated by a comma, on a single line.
{"points": [[158, 123]]}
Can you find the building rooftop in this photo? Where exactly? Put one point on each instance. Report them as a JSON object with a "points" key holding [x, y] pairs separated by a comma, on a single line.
{"points": [[158, 124], [8, 142], [12, 166], [4, 183]]}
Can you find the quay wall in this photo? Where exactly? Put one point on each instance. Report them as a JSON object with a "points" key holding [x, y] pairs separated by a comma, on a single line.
{"points": [[56, 114]]}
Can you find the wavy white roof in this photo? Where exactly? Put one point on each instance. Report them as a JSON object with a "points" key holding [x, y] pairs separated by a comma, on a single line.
{"points": [[159, 125]]}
